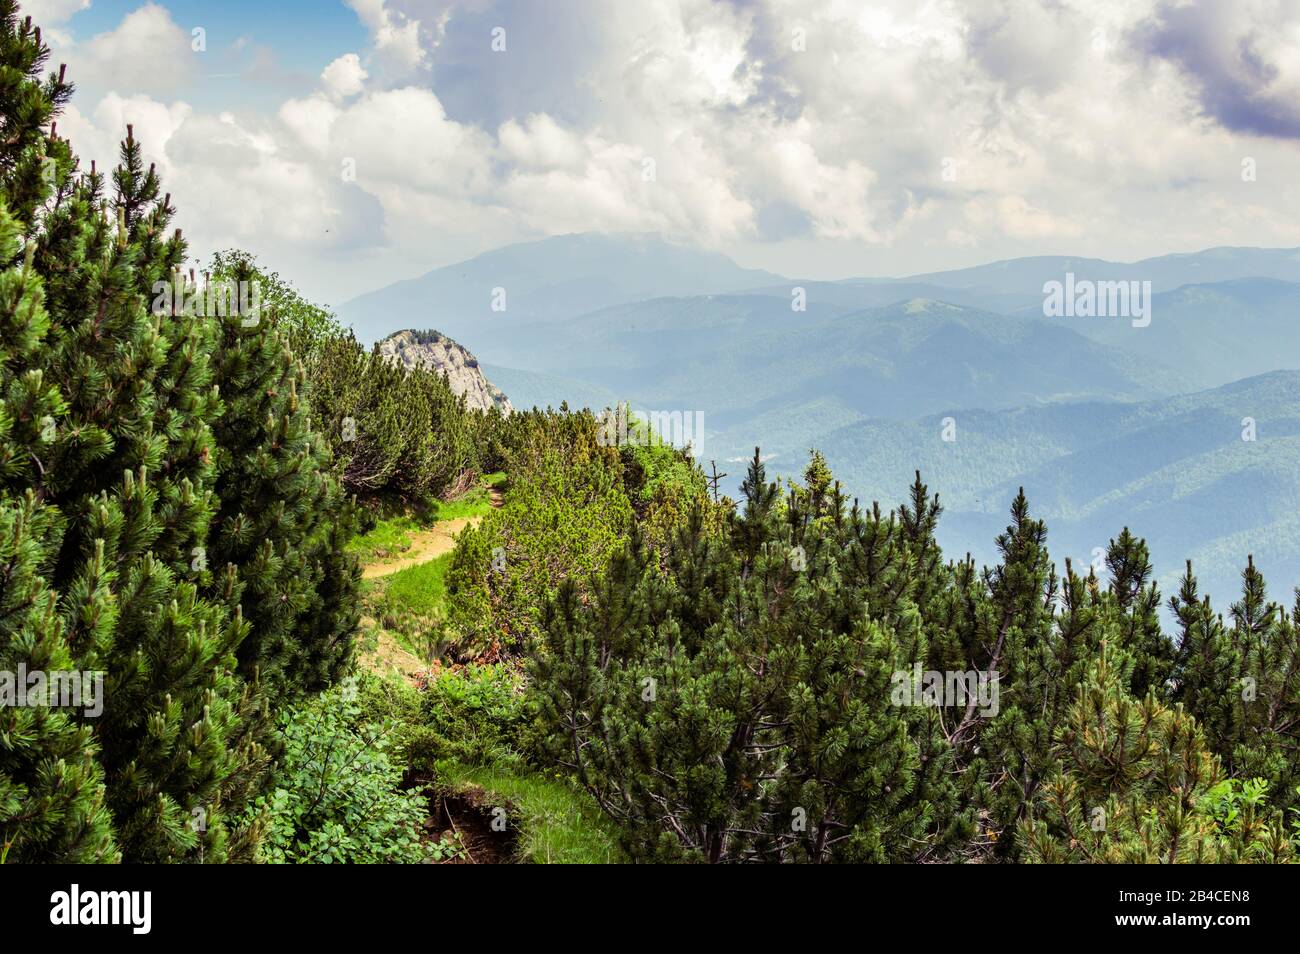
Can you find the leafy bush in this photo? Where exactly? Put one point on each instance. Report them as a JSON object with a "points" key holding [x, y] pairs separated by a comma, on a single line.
{"points": [[475, 714], [304, 325], [1233, 803], [567, 512], [337, 796]]}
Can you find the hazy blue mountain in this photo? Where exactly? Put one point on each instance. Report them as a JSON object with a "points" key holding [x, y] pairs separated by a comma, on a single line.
{"points": [[764, 375], [1016, 284], [529, 389], [564, 277], [857, 294], [1025, 276], [1174, 470], [1212, 333], [737, 358], [558, 277]]}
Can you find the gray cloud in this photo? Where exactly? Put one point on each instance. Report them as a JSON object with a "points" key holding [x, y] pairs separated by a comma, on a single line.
{"points": [[1221, 47]]}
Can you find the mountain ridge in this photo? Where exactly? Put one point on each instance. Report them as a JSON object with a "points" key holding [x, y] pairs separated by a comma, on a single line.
{"points": [[564, 276]]}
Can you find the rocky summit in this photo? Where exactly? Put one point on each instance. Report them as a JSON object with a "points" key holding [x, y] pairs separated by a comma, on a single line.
{"points": [[430, 349]]}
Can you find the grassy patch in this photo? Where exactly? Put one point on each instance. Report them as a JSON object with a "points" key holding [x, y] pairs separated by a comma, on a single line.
{"points": [[559, 824], [389, 537], [419, 589], [475, 502], [410, 605]]}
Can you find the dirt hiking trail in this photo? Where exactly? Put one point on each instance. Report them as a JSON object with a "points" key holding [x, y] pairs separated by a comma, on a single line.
{"points": [[427, 544]]}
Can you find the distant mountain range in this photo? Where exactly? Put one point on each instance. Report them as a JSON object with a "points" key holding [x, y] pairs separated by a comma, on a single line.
{"points": [[554, 278], [1175, 470], [1214, 333], [1165, 272], [1104, 424]]}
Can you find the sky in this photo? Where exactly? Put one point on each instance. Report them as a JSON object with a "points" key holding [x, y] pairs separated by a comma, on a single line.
{"points": [[352, 144]]}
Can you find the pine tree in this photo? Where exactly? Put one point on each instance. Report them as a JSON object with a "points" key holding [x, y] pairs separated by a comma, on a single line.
{"points": [[132, 474], [1134, 784], [919, 519], [111, 499], [187, 400], [1007, 755], [737, 706], [817, 479], [279, 546], [32, 159], [1250, 698], [51, 786], [1240, 682], [1136, 604], [1208, 667], [1270, 711], [750, 529]]}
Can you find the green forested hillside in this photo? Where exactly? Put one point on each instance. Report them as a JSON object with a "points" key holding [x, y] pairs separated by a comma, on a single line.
{"points": [[1176, 470], [737, 357], [1214, 333]]}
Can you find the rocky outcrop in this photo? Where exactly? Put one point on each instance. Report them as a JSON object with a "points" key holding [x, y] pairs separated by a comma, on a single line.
{"points": [[429, 349]]}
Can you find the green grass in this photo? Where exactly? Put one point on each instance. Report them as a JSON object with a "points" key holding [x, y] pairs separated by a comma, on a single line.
{"points": [[419, 589], [559, 824], [475, 502], [409, 603], [389, 537]]}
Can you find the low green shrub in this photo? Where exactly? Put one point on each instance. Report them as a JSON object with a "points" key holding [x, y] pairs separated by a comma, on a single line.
{"points": [[476, 714], [337, 795]]}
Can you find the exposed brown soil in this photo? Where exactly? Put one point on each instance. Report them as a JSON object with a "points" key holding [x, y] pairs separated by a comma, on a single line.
{"points": [[428, 544], [389, 657], [465, 816], [425, 545]]}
